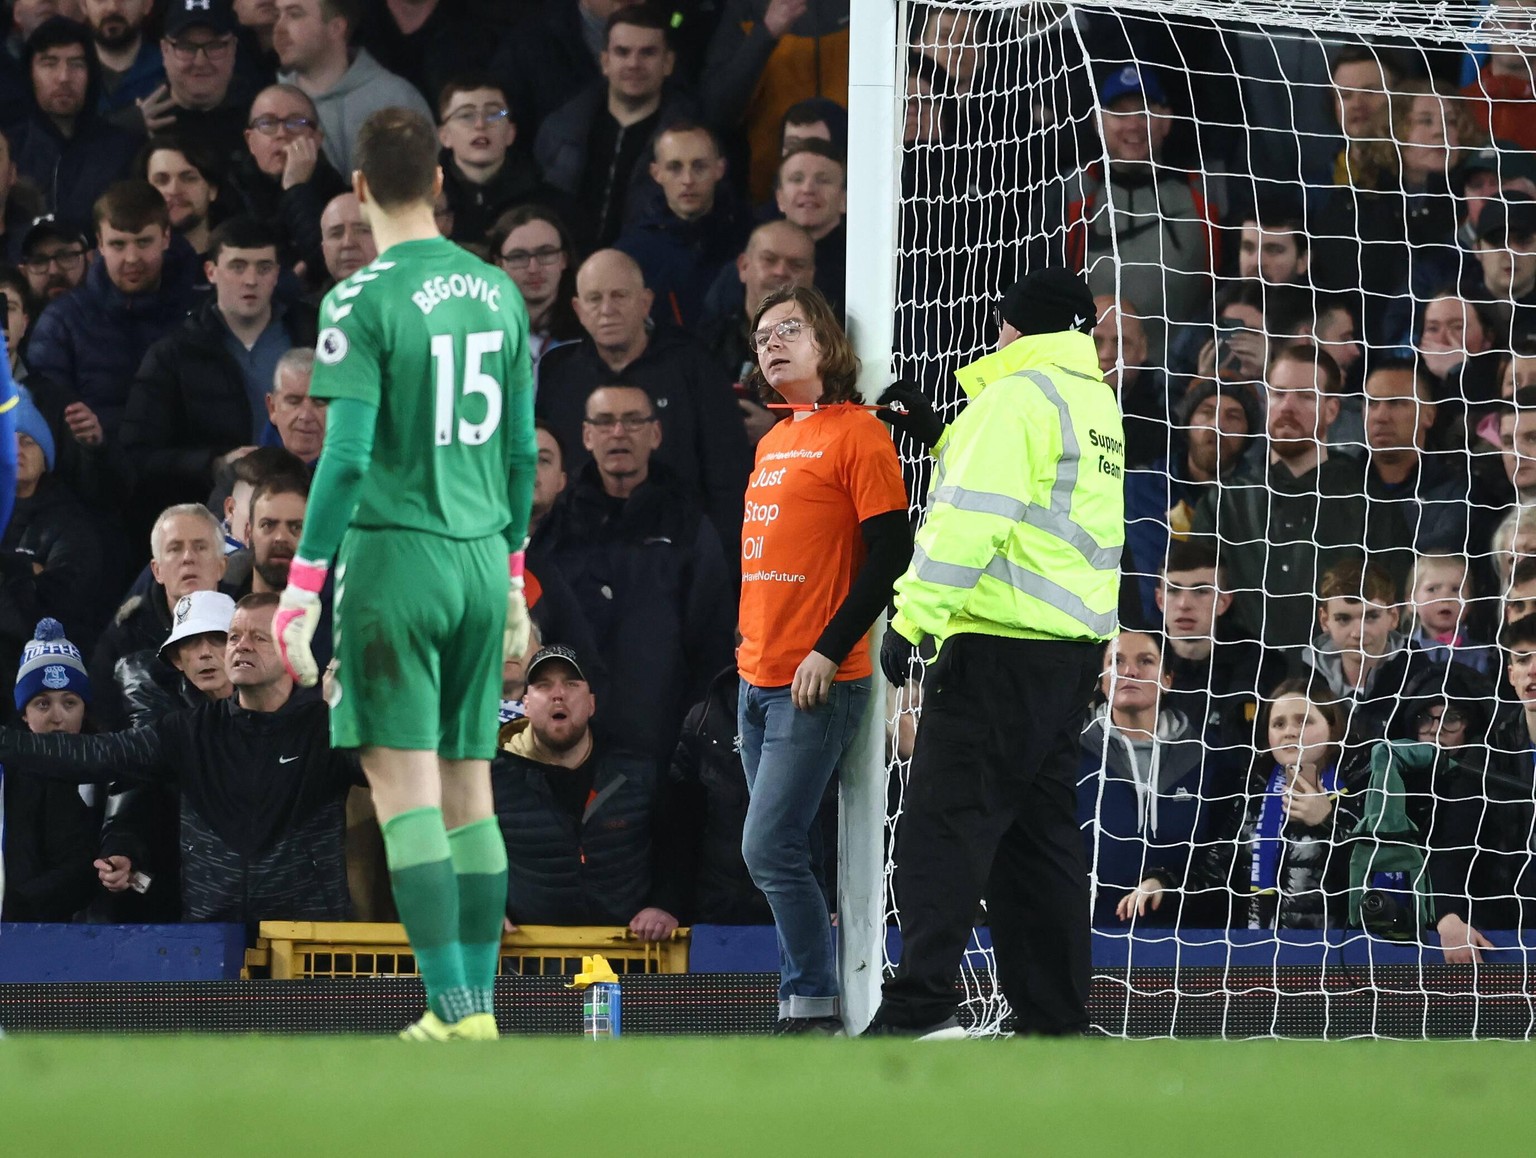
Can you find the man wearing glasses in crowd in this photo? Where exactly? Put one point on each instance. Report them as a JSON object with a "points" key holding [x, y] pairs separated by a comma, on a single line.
{"points": [[53, 256], [482, 175], [648, 569], [199, 102], [533, 245], [283, 176]]}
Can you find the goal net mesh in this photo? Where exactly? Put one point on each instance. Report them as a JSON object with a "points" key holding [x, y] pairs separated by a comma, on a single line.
{"points": [[1237, 190]]}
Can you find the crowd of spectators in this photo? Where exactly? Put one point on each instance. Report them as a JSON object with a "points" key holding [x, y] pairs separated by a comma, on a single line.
{"points": [[175, 202], [1327, 374]]}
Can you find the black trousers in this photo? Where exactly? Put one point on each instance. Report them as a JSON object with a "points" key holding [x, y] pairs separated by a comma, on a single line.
{"points": [[991, 811]]}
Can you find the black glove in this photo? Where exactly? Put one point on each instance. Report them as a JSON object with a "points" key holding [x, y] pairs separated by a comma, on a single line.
{"points": [[907, 409], [897, 653]]}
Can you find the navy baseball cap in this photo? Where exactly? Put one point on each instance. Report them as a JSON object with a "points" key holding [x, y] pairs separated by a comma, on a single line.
{"points": [[1514, 216], [51, 228], [218, 15], [1129, 81], [1503, 159]]}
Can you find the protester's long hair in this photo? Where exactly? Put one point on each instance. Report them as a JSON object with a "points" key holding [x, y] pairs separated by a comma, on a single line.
{"points": [[839, 365]]}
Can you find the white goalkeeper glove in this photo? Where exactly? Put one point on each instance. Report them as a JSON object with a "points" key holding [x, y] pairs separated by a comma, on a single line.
{"points": [[298, 614], [514, 637]]}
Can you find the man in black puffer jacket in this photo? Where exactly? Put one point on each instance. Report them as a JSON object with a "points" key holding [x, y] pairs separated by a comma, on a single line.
{"points": [[261, 788], [648, 570], [201, 394], [577, 815], [92, 340]]}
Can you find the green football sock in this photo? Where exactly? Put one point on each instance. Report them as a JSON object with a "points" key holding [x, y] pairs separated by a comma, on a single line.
{"points": [[480, 861], [427, 895]]}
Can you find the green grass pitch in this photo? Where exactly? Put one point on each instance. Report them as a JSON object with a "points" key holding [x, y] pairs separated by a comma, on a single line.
{"points": [[115, 1097]]}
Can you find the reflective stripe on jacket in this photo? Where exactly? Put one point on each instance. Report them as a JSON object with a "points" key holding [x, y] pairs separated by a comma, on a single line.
{"points": [[1026, 516]]}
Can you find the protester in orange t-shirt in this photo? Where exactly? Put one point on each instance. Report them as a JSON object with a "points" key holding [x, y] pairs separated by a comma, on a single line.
{"points": [[825, 535]]}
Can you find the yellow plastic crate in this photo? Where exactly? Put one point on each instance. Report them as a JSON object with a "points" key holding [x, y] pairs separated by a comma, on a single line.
{"points": [[287, 950]]}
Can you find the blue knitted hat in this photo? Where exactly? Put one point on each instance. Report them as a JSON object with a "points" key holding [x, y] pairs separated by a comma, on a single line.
{"points": [[30, 421], [50, 663]]}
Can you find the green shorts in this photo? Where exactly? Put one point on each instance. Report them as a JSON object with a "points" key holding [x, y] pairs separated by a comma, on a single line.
{"points": [[418, 625]]}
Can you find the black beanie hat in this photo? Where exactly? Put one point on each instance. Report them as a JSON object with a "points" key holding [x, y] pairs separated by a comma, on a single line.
{"points": [[1049, 301]]}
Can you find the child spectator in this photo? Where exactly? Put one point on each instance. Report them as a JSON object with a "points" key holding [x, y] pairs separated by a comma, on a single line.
{"points": [[1358, 613], [1513, 539], [1438, 589], [1144, 791], [50, 830], [1365, 661], [482, 175], [1280, 857]]}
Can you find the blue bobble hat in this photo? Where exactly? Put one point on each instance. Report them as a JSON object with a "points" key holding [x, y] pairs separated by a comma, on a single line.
{"points": [[50, 663], [1132, 80]]}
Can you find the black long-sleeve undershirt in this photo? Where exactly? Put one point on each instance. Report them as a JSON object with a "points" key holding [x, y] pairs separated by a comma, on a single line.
{"points": [[888, 547]]}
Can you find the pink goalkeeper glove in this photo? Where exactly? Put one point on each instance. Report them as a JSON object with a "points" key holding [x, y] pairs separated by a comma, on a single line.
{"points": [[298, 614], [514, 637]]}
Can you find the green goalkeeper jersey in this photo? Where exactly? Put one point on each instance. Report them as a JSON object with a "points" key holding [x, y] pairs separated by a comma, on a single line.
{"points": [[437, 341]]}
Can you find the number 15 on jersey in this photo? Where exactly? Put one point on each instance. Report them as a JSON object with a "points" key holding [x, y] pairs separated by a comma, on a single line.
{"points": [[452, 386]]}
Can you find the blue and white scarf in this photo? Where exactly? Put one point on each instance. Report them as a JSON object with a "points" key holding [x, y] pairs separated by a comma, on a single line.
{"points": [[1268, 844]]}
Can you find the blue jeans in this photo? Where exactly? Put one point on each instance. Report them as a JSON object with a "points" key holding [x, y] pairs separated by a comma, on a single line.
{"points": [[789, 757]]}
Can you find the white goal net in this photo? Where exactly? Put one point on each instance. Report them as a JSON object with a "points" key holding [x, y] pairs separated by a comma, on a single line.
{"points": [[1307, 785]]}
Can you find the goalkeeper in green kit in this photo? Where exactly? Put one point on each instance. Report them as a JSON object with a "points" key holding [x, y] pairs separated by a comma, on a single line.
{"points": [[424, 484]]}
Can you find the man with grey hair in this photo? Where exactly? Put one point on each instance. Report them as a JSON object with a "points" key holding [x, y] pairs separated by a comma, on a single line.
{"points": [[187, 554], [297, 418]]}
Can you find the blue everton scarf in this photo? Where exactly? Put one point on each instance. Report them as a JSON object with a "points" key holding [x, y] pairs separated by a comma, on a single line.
{"points": [[1264, 864]]}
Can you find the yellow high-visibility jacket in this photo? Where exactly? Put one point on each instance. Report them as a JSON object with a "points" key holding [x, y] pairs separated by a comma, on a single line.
{"points": [[1026, 514]]}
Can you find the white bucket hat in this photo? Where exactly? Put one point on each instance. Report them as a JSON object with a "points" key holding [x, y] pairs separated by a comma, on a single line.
{"points": [[198, 614]]}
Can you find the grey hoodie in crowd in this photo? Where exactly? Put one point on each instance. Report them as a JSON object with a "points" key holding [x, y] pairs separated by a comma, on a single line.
{"points": [[1325, 657], [365, 88]]}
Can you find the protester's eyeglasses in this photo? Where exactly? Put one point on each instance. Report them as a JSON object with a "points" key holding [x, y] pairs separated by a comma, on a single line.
{"points": [[789, 330]]}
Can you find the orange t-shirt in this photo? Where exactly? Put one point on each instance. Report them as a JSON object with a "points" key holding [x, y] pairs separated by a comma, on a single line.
{"points": [[815, 480]]}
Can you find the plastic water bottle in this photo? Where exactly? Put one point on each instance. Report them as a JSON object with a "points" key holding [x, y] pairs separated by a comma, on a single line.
{"points": [[601, 1003], [600, 1006]]}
